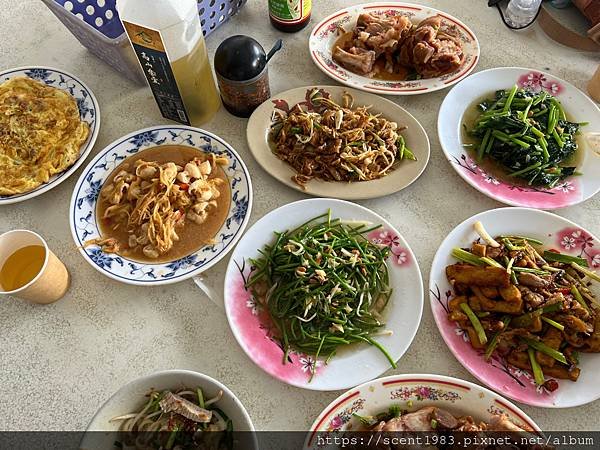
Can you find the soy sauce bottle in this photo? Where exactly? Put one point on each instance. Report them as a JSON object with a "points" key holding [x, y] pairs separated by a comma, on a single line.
{"points": [[290, 16]]}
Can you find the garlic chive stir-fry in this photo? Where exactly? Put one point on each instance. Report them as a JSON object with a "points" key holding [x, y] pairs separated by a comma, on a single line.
{"points": [[178, 420], [533, 307], [324, 286]]}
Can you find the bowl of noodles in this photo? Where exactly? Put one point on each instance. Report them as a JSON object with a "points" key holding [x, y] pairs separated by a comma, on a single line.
{"points": [[160, 205], [172, 409]]}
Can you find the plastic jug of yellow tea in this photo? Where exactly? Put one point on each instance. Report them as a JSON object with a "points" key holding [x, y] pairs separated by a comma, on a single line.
{"points": [[166, 36]]}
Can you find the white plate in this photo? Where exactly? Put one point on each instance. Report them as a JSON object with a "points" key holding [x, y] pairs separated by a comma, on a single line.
{"points": [[89, 112], [578, 107], [83, 221], [405, 174], [457, 396], [556, 232], [351, 366], [325, 34], [101, 433]]}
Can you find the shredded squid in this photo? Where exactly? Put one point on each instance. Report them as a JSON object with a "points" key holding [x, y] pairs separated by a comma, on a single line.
{"points": [[322, 139]]}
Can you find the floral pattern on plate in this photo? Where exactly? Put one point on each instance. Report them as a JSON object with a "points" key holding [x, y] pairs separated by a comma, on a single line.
{"points": [[563, 194], [83, 207], [411, 392], [325, 34], [259, 332], [89, 112]]}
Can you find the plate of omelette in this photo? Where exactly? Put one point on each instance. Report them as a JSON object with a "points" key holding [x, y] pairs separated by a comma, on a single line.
{"points": [[49, 121]]}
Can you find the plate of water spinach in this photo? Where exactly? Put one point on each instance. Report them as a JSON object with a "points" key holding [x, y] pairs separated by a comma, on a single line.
{"points": [[523, 137], [323, 294]]}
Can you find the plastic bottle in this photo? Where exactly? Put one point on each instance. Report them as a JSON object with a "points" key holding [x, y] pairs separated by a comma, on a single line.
{"points": [[521, 12], [168, 41]]}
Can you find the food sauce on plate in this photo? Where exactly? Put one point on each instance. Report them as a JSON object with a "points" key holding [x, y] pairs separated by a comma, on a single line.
{"points": [[379, 71], [489, 165], [192, 236]]}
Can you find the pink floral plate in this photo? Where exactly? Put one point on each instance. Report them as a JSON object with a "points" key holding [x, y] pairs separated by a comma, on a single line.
{"points": [[579, 108], [557, 233], [252, 327], [412, 392], [325, 34]]}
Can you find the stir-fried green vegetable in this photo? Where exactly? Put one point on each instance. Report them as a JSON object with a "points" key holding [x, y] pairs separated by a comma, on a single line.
{"points": [[528, 134], [324, 285]]}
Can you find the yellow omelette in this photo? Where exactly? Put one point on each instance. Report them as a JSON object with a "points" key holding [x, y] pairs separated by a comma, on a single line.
{"points": [[41, 134]]}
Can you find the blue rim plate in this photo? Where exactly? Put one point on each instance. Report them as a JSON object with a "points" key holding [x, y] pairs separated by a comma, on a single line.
{"points": [[89, 112], [82, 212]]}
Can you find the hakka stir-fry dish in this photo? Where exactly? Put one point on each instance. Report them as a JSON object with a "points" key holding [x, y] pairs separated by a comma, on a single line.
{"points": [[534, 307], [322, 139], [382, 45], [148, 206]]}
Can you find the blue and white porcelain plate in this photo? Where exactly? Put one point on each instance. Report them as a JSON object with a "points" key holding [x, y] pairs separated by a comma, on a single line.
{"points": [[85, 196], [89, 112]]}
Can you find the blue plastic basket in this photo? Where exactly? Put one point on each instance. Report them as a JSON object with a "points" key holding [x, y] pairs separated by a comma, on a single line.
{"points": [[96, 24]]}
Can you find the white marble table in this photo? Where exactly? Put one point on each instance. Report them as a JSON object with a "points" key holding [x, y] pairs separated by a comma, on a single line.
{"points": [[59, 363]]}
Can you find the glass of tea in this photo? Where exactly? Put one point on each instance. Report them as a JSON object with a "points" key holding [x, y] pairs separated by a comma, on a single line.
{"points": [[29, 270]]}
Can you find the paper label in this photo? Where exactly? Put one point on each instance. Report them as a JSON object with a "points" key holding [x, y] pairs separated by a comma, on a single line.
{"points": [[150, 50], [289, 10]]}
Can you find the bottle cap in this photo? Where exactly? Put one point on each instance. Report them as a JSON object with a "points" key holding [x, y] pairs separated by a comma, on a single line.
{"points": [[240, 58]]}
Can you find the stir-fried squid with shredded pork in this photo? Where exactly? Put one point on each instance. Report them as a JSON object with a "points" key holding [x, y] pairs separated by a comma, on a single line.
{"points": [[154, 201], [180, 420], [322, 139]]}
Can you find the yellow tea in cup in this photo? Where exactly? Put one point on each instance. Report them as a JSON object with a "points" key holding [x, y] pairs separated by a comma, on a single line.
{"points": [[22, 266], [29, 270]]}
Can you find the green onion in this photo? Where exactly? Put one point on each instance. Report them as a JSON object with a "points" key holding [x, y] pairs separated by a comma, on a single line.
{"points": [[553, 323], [562, 258], [583, 270], [491, 262], [475, 322], [579, 298], [494, 341], [538, 375], [468, 257], [543, 348]]}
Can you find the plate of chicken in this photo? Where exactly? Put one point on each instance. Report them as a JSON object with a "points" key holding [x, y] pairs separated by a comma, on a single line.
{"points": [[394, 49], [441, 409], [514, 292]]}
